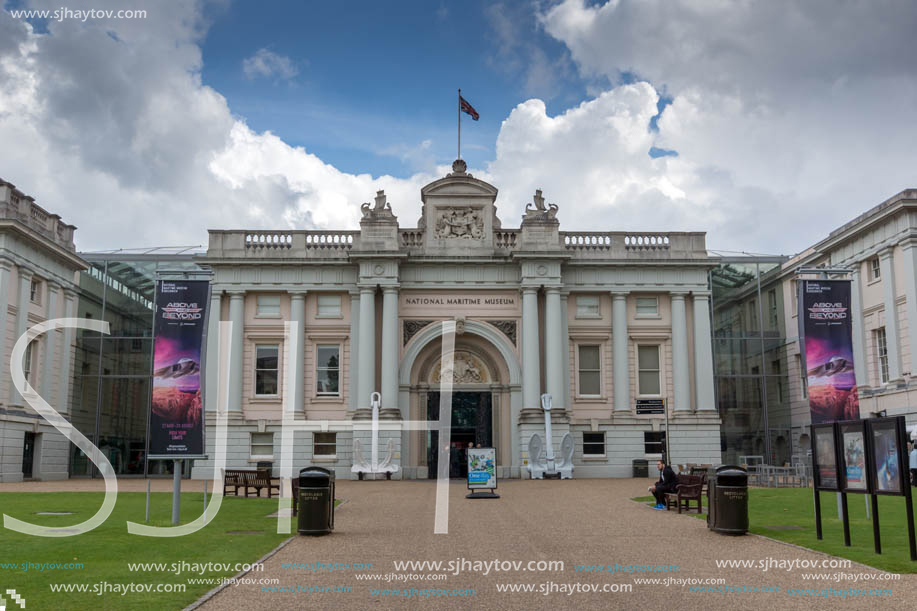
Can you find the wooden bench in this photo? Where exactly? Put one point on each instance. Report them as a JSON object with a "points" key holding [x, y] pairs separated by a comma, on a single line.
{"points": [[688, 489], [246, 480], [259, 479], [233, 479]]}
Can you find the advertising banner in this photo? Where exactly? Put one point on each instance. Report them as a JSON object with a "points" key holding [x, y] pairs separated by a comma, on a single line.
{"points": [[482, 470], [888, 465], [825, 457], [853, 438], [826, 327], [176, 418]]}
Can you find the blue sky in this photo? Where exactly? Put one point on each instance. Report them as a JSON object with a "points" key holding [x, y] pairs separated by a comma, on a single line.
{"points": [[381, 78], [765, 125]]}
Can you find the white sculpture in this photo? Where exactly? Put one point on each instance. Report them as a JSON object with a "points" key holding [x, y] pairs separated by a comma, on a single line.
{"points": [[537, 466], [360, 465], [545, 465]]}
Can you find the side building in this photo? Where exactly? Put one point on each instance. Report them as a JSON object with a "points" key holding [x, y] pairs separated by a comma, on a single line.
{"points": [[38, 281], [879, 248]]}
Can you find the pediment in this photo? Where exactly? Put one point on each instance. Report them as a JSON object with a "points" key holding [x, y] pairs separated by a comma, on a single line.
{"points": [[458, 186]]}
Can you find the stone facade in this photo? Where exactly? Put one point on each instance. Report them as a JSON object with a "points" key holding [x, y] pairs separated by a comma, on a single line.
{"points": [[38, 281], [599, 320]]}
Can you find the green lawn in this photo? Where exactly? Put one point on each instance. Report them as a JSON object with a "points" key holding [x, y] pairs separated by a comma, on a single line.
{"points": [[796, 507], [106, 551]]}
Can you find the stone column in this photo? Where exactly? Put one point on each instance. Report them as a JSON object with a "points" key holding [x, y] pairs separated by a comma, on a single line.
{"points": [[565, 343], [352, 384], [236, 373], [887, 268], [620, 365], [553, 357], [390, 352], [680, 378], [909, 248], [367, 356], [859, 332], [297, 384], [66, 353], [212, 373], [22, 320], [50, 348], [531, 382], [704, 396], [5, 269]]}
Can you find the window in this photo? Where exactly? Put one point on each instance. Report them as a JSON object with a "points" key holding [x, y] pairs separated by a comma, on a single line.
{"points": [[35, 291], [589, 364], [803, 377], [654, 442], [882, 355], [28, 361], [772, 307], [329, 306], [327, 369], [647, 307], [752, 315], [266, 369], [778, 378], [262, 445], [648, 370], [587, 306], [593, 444], [324, 444], [875, 269], [269, 306]]}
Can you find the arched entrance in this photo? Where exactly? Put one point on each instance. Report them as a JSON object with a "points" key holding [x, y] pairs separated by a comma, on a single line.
{"points": [[486, 397]]}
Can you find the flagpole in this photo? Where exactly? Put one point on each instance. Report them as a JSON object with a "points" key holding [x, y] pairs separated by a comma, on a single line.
{"points": [[459, 124]]}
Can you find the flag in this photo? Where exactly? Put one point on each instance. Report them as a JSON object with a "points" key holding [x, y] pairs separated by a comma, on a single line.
{"points": [[468, 108]]}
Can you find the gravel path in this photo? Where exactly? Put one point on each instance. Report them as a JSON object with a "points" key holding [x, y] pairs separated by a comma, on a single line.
{"points": [[578, 522]]}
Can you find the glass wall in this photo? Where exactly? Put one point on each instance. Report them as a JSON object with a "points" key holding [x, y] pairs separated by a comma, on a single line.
{"points": [[113, 372], [750, 359]]}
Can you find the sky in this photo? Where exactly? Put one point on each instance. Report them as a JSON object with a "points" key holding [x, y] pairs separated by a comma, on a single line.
{"points": [[765, 124]]}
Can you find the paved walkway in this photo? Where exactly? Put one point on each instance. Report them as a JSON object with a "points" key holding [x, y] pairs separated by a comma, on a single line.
{"points": [[578, 522]]}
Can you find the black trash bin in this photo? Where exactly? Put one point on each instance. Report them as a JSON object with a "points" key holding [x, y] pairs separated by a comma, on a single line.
{"points": [[641, 467], [316, 501], [727, 501]]}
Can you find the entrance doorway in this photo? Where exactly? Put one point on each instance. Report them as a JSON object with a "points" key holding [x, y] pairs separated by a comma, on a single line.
{"points": [[472, 422], [28, 455]]}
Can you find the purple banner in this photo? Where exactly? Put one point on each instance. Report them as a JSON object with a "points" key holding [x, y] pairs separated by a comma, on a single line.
{"points": [[177, 418], [826, 327]]}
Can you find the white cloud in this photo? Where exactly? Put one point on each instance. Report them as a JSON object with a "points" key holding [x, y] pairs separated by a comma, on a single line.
{"points": [[787, 117], [266, 64], [118, 135]]}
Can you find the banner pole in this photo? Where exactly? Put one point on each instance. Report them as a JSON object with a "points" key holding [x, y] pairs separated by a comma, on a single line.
{"points": [[176, 489]]}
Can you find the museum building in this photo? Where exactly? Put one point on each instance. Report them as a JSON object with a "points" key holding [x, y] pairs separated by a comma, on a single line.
{"points": [[613, 325]]}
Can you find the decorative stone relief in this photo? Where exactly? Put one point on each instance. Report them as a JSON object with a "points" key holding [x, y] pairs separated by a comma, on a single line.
{"points": [[466, 223], [539, 212], [411, 327], [507, 327], [466, 369]]}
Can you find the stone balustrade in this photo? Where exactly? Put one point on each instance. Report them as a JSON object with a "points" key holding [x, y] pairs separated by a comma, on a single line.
{"points": [[411, 238], [506, 239], [16, 206], [620, 244], [306, 244], [317, 244]]}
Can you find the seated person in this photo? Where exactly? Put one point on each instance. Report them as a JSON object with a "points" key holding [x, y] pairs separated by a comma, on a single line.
{"points": [[667, 482]]}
